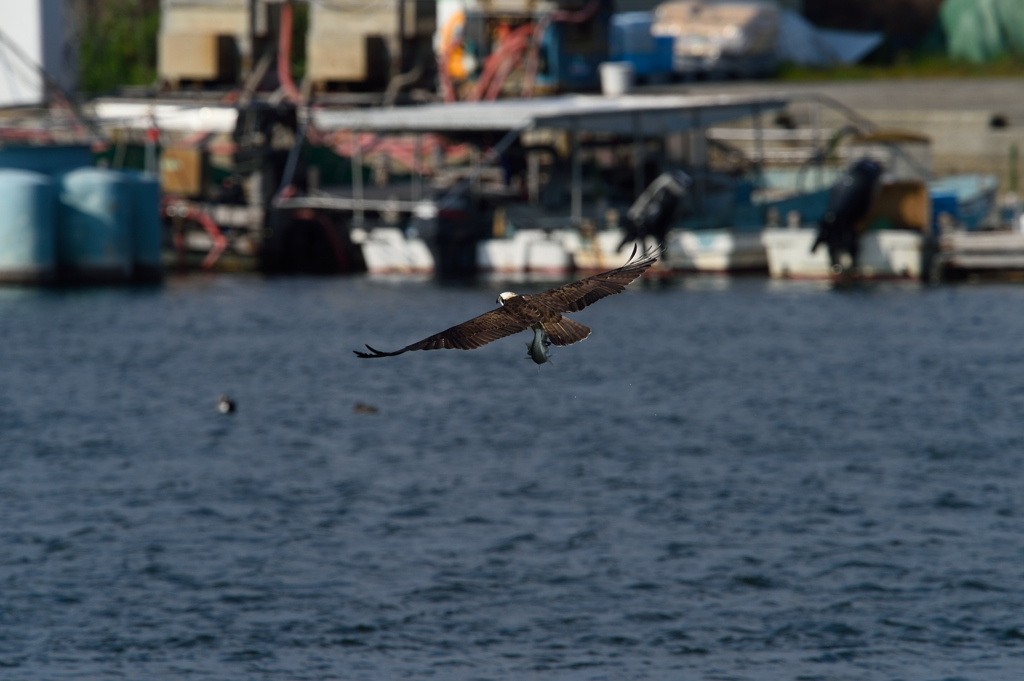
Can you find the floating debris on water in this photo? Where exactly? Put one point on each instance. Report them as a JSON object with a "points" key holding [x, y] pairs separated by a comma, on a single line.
{"points": [[361, 408]]}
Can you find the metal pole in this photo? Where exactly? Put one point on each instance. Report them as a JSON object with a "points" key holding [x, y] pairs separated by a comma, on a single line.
{"points": [[476, 168], [417, 173], [638, 158], [758, 135], [293, 157], [577, 177], [533, 177], [699, 159], [357, 179], [817, 144], [248, 49]]}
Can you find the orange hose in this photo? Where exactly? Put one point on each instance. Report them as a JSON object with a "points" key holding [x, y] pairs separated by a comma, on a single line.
{"points": [[514, 43]]}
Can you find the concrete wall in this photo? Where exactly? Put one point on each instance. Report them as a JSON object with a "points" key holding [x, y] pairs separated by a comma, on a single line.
{"points": [[972, 123], [963, 140], [648, 5]]}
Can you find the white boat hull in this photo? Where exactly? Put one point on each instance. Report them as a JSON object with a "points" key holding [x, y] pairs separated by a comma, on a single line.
{"points": [[884, 253], [715, 250], [597, 253], [529, 251], [387, 250]]}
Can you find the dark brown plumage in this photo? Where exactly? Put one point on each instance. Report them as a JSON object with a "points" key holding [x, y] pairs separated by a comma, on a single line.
{"points": [[520, 312]]}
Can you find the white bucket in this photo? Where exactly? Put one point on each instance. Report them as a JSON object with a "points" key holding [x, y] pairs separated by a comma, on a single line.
{"points": [[616, 77]]}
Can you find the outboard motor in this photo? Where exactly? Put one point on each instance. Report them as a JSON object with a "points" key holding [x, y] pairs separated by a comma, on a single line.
{"points": [[848, 202], [652, 212]]}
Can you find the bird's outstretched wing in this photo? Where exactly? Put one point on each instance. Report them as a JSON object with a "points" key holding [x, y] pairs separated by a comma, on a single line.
{"points": [[577, 295], [470, 335]]}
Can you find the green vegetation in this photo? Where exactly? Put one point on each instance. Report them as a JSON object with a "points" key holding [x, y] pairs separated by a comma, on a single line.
{"points": [[300, 27], [930, 66], [118, 46], [119, 39]]}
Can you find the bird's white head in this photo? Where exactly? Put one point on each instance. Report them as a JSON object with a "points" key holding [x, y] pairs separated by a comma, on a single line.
{"points": [[502, 297]]}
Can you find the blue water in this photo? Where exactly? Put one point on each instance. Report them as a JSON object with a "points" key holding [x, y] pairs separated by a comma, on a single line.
{"points": [[730, 479]]}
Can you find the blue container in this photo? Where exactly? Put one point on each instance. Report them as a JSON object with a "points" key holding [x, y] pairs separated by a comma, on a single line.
{"points": [[94, 208], [27, 232], [664, 49], [573, 52], [47, 159], [146, 229], [630, 40]]}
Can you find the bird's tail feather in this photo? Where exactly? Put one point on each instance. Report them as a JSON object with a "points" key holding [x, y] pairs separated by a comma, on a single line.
{"points": [[565, 331]]}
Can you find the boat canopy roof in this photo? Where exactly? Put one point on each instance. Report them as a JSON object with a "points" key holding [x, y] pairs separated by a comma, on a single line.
{"points": [[648, 115], [183, 117]]}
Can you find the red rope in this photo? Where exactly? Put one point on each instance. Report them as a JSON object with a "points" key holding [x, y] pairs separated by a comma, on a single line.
{"points": [[172, 209]]}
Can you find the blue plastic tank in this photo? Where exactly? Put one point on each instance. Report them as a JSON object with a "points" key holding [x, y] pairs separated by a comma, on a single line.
{"points": [[146, 230], [49, 159], [630, 39], [94, 207], [27, 232]]}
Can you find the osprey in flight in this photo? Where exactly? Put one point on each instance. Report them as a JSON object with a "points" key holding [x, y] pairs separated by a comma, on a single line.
{"points": [[541, 312]]}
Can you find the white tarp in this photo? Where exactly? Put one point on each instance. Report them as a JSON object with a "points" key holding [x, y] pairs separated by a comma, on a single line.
{"points": [[711, 30], [708, 28], [800, 42]]}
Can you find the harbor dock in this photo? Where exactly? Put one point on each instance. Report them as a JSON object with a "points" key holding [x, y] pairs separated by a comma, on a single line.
{"points": [[518, 163], [535, 172]]}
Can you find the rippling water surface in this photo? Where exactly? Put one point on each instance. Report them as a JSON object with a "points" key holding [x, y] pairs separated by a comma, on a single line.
{"points": [[730, 479]]}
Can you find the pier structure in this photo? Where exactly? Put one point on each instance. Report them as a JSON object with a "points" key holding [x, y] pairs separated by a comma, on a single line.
{"points": [[565, 162], [571, 161], [583, 119], [455, 174]]}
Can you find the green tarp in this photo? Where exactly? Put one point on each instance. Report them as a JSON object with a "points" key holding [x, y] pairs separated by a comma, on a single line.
{"points": [[980, 30]]}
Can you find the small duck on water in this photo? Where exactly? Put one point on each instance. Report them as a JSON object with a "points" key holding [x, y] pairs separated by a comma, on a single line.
{"points": [[225, 405]]}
